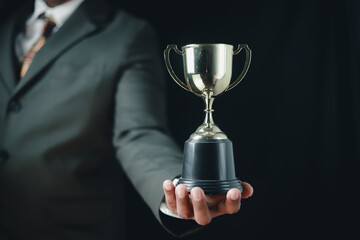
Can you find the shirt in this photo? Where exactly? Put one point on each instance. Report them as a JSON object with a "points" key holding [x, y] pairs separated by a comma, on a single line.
{"points": [[34, 25]]}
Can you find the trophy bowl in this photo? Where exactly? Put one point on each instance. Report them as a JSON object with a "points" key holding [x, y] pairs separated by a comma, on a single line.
{"points": [[207, 67]]}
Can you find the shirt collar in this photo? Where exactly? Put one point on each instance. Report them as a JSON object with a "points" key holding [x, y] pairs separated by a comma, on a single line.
{"points": [[59, 13]]}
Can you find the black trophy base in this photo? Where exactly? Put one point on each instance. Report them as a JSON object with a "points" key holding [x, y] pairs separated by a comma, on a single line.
{"points": [[212, 187], [209, 164]]}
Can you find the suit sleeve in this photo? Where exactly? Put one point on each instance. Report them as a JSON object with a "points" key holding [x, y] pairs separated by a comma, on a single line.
{"points": [[144, 149]]}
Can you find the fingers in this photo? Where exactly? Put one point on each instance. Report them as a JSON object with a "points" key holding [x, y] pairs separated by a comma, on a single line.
{"points": [[170, 197], [177, 199], [183, 204], [247, 191], [201, 210], [232, 202], [229, 204], [233, 199]]}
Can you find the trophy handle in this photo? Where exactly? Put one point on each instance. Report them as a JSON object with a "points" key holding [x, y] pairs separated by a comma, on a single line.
{"points": [[246, 66], [169, 68]]}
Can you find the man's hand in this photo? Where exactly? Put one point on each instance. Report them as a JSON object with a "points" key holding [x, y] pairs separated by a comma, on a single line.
{"points": [[202, 208]]}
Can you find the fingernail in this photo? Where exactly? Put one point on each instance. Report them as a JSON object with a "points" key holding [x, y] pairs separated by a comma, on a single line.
{"points": [[234, 195], [167, 186], [197, 195]]}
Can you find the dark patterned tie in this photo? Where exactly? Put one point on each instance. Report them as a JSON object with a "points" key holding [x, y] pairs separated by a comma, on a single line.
{"points": [[46, 32]]}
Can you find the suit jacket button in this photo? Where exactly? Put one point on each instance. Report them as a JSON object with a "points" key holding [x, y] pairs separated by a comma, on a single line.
{"points": [[4, 156], [14, 106]]}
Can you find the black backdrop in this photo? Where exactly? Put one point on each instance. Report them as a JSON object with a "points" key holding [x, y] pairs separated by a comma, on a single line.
{"points": [[294, 120]]}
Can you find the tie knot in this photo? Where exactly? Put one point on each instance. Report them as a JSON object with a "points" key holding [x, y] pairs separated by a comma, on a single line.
{"points": [[48, 26]]}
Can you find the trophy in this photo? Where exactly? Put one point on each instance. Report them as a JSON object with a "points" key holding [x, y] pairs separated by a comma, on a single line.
{"points": [[208, 160]]}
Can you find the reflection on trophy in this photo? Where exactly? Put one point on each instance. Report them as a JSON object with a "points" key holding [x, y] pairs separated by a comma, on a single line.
{"points": [[208, 160]]}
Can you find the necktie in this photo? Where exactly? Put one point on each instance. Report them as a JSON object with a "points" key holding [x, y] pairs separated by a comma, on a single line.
{"points": [[46, 32]]}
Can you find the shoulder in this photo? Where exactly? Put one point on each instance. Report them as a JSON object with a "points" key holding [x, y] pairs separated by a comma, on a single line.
{"points": [[130, 32], [127, 23], [119, 33], [111, 18]]}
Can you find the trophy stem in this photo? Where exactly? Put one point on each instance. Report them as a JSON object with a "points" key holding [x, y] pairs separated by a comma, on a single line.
{"points": [[209, 121], [208, 130]]}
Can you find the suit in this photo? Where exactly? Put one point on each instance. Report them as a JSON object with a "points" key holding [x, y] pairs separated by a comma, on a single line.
{"points": [[90, 108]]}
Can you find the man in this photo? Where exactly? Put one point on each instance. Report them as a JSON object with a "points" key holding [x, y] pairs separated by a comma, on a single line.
{"points": [[80, 92]]}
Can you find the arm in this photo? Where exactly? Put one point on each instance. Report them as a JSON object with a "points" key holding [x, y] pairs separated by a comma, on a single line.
{"points": [[146, 153]]}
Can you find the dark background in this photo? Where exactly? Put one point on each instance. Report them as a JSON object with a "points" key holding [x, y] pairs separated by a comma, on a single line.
{"points": [[294, 120]]}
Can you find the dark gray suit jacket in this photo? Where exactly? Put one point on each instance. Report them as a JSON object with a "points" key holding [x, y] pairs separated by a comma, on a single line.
{"points": [[93, 100]]}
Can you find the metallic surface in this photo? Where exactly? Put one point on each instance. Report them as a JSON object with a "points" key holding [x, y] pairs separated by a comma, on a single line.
{"points": [[207, 72]]}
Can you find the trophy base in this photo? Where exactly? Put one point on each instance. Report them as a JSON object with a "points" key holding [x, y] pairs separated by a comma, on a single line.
{"points": [[212, 187], [209, 164]]}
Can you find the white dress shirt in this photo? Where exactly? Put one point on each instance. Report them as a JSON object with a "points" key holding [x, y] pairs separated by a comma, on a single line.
{"points": [[34, 25]]}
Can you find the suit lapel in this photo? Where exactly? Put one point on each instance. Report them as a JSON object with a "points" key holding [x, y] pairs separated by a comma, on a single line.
{"points": [[7, 69], [8, 60], [78, 26]]}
